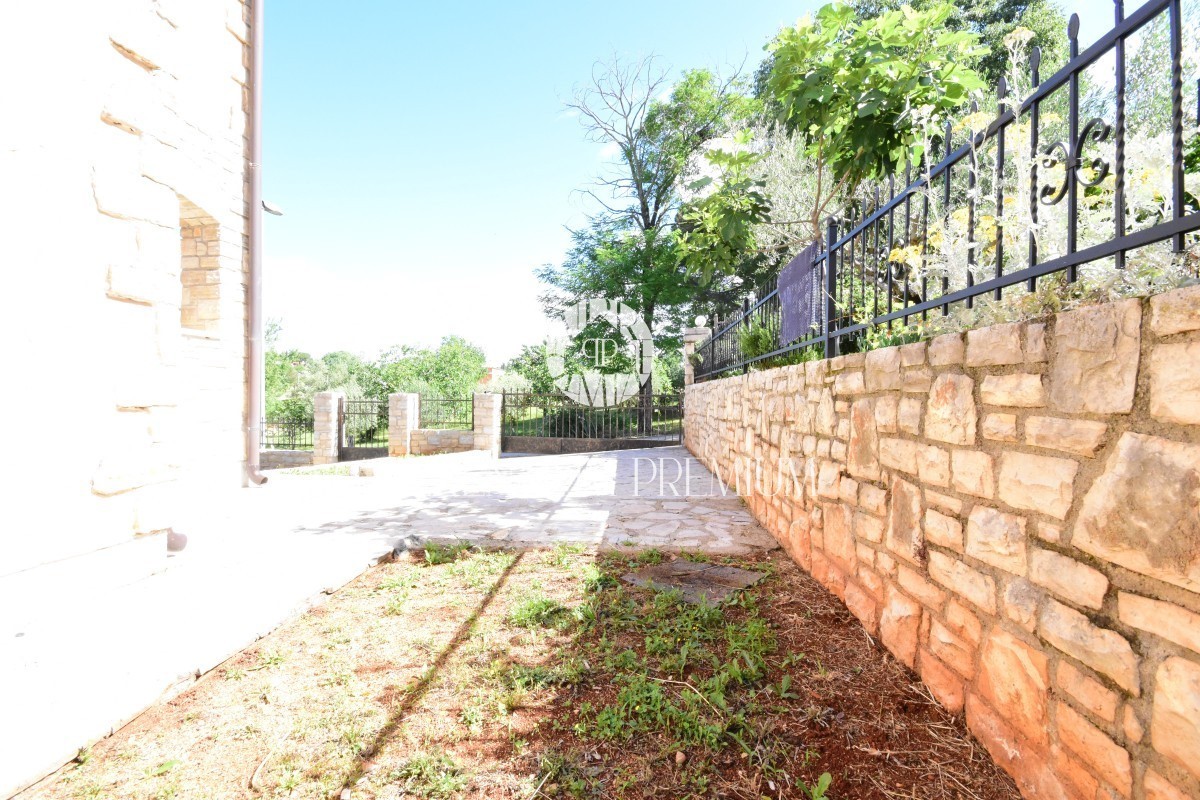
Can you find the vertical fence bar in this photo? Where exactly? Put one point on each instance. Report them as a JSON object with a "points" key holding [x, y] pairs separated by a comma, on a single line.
{"points": [[891, 244], [830, 344], [1176, 22], [745, 326], [1001, 94], [925, 238], [875, 259], [1073, 148], [946, 216], [1119, 148], [1035, 63], [907, 225], [972, 169]]}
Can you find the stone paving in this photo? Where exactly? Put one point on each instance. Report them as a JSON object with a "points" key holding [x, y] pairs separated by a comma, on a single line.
{"points": [[83, 653], [661, 498]]}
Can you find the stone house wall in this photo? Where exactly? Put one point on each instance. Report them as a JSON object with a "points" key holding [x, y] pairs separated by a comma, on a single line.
{"points": [[122, 158], [1015, 514]]}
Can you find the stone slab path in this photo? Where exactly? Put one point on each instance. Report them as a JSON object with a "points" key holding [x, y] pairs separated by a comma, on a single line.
{"points": [[83, 653]]}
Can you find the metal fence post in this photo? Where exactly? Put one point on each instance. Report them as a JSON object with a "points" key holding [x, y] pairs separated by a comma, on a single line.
{"points": [[746, 325], [830, 343]]}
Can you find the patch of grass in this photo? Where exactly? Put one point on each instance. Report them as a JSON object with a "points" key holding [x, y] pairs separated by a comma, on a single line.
{"points": [[481, 568], [563, 555], [430, 776], [444, 553], [537, 612]]}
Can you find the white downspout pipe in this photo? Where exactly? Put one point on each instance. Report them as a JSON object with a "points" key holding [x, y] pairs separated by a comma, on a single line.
{"points": [[254, 361]]}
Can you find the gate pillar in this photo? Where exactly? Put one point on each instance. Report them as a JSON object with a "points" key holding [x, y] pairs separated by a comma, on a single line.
{"points": [[487, 422], [327, 427], [404, 416]]}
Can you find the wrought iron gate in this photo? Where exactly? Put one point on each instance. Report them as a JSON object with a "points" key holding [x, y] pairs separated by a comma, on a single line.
{"points": [[553, 423], [364, 430]]}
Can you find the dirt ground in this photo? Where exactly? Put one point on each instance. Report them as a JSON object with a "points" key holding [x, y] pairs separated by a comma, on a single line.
{"points": [[540, 674]]}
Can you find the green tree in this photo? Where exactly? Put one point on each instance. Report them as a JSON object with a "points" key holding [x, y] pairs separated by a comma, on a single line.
{"points": [[451, 370], [857, 98], [991, 21]]}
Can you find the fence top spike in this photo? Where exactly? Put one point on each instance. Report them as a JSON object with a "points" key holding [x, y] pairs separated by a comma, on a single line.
{"points": [[1035, 58], [1120, 6], [1073, 27], [1002, 88], [974, 106]]}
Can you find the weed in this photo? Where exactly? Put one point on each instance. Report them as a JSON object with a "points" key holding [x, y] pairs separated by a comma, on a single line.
{"points": [[536, 612], [268, 659], [395, 606], [430, 776], [443, 553], [234, 674], [563, 555]]}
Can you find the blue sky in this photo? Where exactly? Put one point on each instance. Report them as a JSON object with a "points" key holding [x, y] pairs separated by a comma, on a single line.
{"points": [[426, 164]]}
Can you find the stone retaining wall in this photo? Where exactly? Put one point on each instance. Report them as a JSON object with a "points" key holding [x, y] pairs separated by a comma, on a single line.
{"points": [[1015, 514], [282, 459]]}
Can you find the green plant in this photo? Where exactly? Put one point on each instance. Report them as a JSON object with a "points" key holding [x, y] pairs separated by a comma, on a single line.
{"points": [[536, 612], [817, 790], [762, 336], [443, 553], [430, 776]]}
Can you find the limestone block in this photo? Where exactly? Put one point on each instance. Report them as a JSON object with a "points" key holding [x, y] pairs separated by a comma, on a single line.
{"points": [[1067, 578], [1096, 358], [882, 369], [912, 355], [1015, 678], [1019, 601], [863, 443], [1175, 383], [995, 345], [1175, 312], [1021, 389], [909, 417], [962, 580], [946, 350], [950, 412], [1165, 620], [1143, 512], [997, 538], [946, 686], [943, 530], [1000, 427], [886, 413], [1103, 650], [904, 535], [958, 654], [1157, 787], [933, 465], [973, 473], [1080, 436], [1088, 692], [898, 454], [1106, 758], [1037, 483], [1035, 343], [900, 624], [1175, 720]]}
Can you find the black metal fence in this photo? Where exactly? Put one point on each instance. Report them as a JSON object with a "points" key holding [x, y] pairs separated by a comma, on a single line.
{"points": [[364, 425], [554, 415], [892, 264], [447, 413], [286, 434]]}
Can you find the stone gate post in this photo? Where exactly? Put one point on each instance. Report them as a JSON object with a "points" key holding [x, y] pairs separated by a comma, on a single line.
{"points": [[328, 413], [404, 416], [487, 422], [692, 337]]}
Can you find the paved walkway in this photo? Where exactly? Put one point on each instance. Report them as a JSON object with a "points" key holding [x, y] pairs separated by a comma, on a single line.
{"points": [[80, 658]]}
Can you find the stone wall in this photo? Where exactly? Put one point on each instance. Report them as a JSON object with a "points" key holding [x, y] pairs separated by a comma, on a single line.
{"points": [[283, 459], [405, 438], [122, 159], [1015, 514], [429, 441]]}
